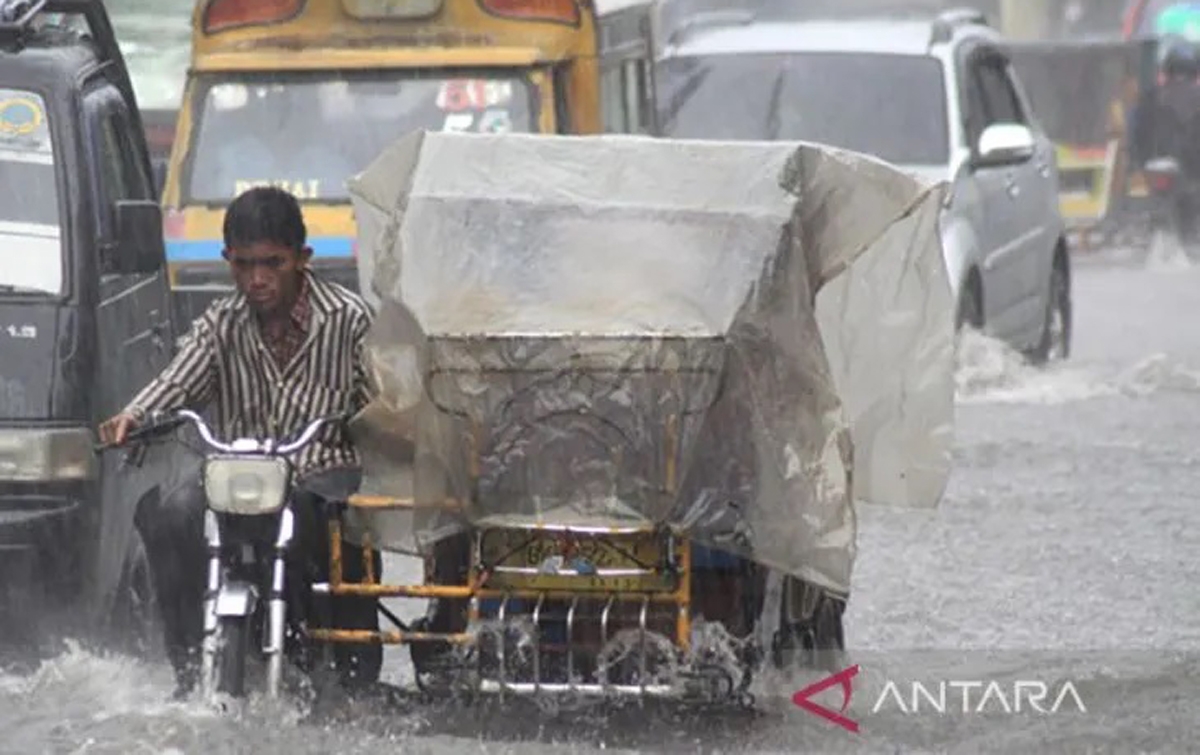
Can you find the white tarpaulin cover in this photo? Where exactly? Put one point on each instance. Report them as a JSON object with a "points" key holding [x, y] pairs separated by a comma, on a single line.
{"points": [[610, 330]]}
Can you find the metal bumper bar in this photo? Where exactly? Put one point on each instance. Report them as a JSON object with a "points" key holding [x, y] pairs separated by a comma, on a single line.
{"points": [[590, 690], [677, 601]]}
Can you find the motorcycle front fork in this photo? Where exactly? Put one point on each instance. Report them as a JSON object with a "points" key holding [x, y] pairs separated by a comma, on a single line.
{"points": [[276, 604]]}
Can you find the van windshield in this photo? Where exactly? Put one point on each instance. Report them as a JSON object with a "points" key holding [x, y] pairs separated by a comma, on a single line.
{"points": [[310, 133], [31, 259]]}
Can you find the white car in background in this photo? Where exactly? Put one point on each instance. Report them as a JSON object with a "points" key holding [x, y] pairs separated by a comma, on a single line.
{"points": [[937, 97]]}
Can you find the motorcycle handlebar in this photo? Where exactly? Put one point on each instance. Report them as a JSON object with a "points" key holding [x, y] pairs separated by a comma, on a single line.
{"points": [[310, 432], [161, 426]]}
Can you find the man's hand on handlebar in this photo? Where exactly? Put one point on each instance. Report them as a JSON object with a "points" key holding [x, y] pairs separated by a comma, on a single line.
{"points": [[115, 431]]}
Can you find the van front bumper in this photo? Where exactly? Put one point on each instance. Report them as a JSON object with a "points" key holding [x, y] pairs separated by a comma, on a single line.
{"points": [[43, 538]]}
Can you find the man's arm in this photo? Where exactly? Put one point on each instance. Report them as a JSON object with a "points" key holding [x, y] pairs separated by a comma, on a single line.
{"points": [[363, 390], [188, 380]]}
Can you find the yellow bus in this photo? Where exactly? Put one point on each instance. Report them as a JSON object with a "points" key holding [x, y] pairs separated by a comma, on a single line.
{"points": [[306, 93]]}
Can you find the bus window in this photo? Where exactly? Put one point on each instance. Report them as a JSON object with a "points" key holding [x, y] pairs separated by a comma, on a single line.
{"points": [[309, 132]]}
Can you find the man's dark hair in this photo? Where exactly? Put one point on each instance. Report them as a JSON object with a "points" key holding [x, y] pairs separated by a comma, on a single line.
{"points": [[264, 214]]}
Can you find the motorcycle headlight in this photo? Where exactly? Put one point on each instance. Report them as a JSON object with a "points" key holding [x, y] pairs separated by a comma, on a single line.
{"points": [[246, 485], [46, 454]]}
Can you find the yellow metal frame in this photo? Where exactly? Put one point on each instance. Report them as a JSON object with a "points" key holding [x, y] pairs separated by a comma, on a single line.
{"points": [[474, 590]]}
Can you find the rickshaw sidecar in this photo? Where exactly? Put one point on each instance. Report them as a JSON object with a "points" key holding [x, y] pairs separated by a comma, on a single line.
{"points": [[622, 383]]}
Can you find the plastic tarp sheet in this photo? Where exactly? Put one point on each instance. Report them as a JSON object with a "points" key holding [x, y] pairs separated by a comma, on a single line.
{"points": [[722, 338]]}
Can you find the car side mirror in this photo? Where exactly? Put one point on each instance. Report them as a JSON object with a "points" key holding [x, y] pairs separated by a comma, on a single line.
{"points": [[1004, 144], [139, 248]]}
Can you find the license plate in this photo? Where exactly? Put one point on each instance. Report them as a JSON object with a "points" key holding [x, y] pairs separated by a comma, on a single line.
{"points": [[534, 560]]}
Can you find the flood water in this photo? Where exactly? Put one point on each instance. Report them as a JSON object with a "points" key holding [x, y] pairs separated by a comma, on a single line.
{"points": [[1067, 550]]}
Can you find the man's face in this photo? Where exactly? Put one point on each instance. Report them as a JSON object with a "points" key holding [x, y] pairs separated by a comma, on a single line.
{"points": [[268, 274]]}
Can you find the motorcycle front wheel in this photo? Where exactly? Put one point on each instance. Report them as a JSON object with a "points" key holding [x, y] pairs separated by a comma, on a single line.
{"points": [[233, 639]]}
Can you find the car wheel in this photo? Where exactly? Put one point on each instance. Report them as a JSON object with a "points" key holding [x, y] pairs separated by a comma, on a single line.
{"points": [[969, 315], [970, 310], [1056, 333]]}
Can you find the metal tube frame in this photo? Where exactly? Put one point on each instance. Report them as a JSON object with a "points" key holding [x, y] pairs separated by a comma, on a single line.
{"points": [[679, 557]]}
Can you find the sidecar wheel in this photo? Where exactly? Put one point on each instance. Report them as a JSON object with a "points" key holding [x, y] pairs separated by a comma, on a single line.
{"points": [[233, 643]]}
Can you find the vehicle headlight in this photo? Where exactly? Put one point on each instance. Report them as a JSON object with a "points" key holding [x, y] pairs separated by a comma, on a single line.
{"points": [[246, 485], [46, 454]]}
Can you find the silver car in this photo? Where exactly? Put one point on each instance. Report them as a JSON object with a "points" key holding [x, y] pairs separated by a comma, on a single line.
{"points": [[935, 97]]}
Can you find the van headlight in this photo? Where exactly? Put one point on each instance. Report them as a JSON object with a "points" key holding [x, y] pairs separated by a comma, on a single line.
{"points": [[46, 454], [246, 485]]}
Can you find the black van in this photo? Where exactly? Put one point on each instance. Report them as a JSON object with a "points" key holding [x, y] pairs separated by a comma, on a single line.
{"points": [[85, 315]]}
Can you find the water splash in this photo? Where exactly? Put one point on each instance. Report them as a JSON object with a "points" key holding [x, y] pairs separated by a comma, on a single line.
{"points": [[712, 644], [1167, 253], [1158, 373], [78, 701], [111, 685], [990, 371], [624, 651]]}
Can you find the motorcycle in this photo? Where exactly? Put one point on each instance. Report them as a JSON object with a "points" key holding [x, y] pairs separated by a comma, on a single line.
{"points": [[1172, 202], [248, 527]]}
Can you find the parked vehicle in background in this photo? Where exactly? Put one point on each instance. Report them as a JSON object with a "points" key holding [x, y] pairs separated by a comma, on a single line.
{"points": [[770, 72], [84, 317]]}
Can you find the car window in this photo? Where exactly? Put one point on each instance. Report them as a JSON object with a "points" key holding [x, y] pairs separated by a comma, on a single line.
{"points": [[31, 260], [999, 98], [977, 113], [137, 182], [113, 180], [117, 161]]}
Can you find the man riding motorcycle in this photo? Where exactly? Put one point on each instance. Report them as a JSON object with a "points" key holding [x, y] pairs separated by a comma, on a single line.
{"points": [[284, 350], [1178, 127]]}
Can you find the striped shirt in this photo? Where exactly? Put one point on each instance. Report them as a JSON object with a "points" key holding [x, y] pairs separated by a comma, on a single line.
{"points": [[224, 364], [284, 336]]}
